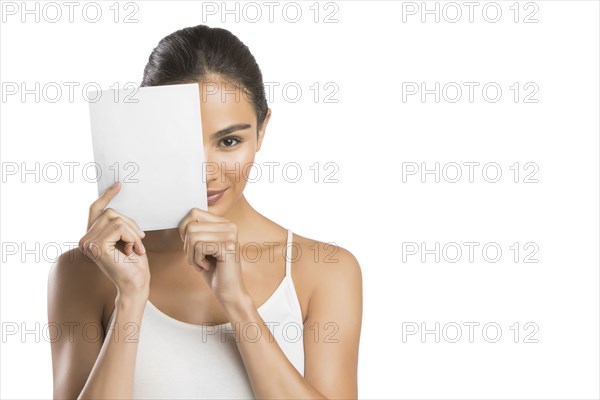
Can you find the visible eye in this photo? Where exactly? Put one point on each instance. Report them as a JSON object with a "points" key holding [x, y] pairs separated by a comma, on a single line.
{"points": [[228, 140]]}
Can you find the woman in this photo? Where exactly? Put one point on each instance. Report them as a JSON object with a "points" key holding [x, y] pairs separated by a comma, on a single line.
{"points": [[230, 304]]}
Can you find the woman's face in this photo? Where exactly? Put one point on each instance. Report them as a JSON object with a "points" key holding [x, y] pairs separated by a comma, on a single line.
{"points": [[229, 129]]}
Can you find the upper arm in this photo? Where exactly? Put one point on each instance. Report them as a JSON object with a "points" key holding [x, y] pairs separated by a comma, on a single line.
{"points": [[332, 328], [75, 322]]}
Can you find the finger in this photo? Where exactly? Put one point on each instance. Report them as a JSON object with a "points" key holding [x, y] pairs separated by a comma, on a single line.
{"points": [[131, 247], [194, 260], [114, 214], [190, 256], [98, 206], [119, 229], [217, 244], [197, 215], [90, 248], [109, 215], [210, 227], [205, 261], [202, 231], [198, 245], [210, 239], [91, 235], [102, 237]]}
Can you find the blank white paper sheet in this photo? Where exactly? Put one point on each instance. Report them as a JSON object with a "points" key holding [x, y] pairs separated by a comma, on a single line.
{"points": [[150, 139]]}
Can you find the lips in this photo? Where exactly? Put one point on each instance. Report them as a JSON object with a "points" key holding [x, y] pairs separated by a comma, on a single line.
{"points": [[214, 195], [213, 192]]}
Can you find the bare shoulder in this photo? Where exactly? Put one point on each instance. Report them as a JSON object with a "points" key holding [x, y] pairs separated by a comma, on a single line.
{"points": [[334, 317], [324, 259], [76, 293], [323, 267], [75, 283]]}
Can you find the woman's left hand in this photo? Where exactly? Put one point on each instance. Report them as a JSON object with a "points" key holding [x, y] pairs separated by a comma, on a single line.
{"points": [[210, 243]]}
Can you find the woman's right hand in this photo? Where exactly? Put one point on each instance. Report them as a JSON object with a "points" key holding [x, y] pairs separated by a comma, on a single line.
{"points": [[114, 242]]}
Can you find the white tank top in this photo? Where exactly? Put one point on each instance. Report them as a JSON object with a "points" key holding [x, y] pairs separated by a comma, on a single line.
{"points": [[179, 360]]}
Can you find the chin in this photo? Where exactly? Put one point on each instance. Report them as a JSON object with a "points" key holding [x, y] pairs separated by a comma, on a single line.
{"points": [[216, 210]]}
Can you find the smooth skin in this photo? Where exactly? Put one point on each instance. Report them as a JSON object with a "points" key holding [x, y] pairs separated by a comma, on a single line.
{"points": [[192, 274]]}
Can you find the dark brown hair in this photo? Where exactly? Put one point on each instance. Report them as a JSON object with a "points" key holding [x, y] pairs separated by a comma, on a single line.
{"points": [[193, 53]]}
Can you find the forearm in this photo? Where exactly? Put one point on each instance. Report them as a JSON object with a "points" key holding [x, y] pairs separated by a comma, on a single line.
{"points": [[113, 373], [270, 372]]}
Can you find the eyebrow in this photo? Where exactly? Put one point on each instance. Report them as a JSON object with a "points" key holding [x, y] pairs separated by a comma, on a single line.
{"points": [[228, 130]]}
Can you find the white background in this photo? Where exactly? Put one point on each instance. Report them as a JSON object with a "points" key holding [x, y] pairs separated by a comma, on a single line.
{"points": [[370, 134]]}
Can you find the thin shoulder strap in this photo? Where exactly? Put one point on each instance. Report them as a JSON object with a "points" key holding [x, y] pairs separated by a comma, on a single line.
{"points": [[288, 253]]}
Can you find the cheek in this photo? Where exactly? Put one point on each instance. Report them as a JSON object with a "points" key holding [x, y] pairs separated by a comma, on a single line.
{"points": [[238, 164]]}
